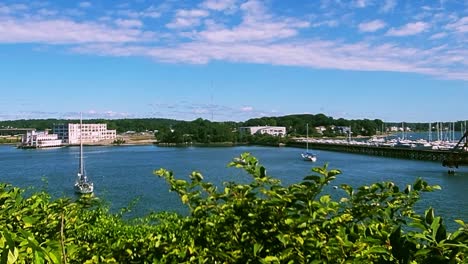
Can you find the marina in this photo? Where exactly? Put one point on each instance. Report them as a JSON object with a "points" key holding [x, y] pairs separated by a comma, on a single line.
{"points": [[450, 153]]}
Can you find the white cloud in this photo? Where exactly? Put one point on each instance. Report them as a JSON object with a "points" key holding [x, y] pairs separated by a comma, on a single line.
{"points": [[359, 56], [257, 25], [328, 23], [129, 23], [460, 26], [187, 18], [150, 12], [44, 12], [371, 26], [268, 31], [84, 4], [260, 37], [11, 9], [219, 5], [439, 35], [361, 3], [113, 114], [388, 6], [200, 111], [247, 109], [192, 13], [63, 31], [408, 29]]}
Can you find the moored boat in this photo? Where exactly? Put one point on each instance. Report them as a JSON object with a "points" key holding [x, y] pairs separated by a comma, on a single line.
{"points": [[308, 156], [82, 184]]}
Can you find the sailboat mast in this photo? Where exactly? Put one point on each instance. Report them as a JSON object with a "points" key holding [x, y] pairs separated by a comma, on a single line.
{"points": [[307, 136], [81, 144], [430, 132]]}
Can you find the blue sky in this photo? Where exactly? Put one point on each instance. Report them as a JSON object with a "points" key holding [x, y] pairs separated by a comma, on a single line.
{"points": [[234, 59]]}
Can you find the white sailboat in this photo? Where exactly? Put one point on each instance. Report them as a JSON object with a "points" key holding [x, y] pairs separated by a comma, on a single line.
{"points": [[82, 184], [308, 156]]}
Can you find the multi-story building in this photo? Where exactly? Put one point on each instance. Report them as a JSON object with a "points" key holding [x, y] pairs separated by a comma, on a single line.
{"points": [[90, 133], [39, 139], [270, 130]]}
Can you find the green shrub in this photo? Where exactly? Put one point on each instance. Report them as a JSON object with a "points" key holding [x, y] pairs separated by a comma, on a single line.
{"points": [[259, 222]]}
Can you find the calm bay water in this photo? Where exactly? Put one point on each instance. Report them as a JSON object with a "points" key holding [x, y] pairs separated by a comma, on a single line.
{"points": [[123, 173]]}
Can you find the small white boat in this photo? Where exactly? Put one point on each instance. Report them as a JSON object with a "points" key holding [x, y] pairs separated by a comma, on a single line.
{"points": [[308, 156], [82, 184]]}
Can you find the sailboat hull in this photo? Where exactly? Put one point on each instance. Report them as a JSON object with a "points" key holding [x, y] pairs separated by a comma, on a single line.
{"points": [[84, 187], [309, 157]]}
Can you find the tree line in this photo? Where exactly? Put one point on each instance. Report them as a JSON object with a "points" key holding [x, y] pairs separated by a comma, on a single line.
{"points": [[204, 131]]}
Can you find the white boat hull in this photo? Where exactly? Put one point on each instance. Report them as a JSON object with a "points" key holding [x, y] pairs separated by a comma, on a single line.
{"points": [[84, 187], [308, 157]]}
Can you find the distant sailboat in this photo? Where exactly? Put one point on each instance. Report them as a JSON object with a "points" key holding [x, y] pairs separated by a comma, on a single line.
{"points": [[82, 184], [308, 156]]}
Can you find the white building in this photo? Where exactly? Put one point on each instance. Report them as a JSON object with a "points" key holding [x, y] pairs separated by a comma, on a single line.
{"points": [[42, 139], [270, 130], [320, 129], [396, 129], [90, 133]]}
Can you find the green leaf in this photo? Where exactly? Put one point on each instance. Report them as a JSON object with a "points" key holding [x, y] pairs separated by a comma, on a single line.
{"points": [[13, 255], [378, 249], [441, 232], [184, 198], [429, 216], [422, 252], [435, 227], [325, 199], [257, 248], [313, 178], [460, 222], [270, 259]]}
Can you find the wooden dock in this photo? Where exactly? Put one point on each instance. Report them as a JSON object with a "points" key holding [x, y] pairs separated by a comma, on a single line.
{"points": [[455, 159]]}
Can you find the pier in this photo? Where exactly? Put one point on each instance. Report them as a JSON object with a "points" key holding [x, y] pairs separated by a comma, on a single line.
{"points": [[394, 152]]}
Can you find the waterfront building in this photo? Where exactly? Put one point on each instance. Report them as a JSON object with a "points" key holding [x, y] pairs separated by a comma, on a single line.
{"points": [[320, 129], [398, 129], [40, 139], [343, 129], [90, 133], [270, 130]]}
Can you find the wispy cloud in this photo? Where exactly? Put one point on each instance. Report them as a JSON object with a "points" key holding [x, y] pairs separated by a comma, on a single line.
{"points": [[328, 23], [247, 109], [65, 31], [439, 35], [150, 12], [11, 9], [254, 34], [188, 110], [84, 4], [408, 29], [361, 3], [256, 25], [219, 5], [388, 6], [371, 26], [460, 26], [129, 23], [187, 18]]}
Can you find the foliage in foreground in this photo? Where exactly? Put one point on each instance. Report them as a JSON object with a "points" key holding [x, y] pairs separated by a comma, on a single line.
{"points": [[259, 222]]}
